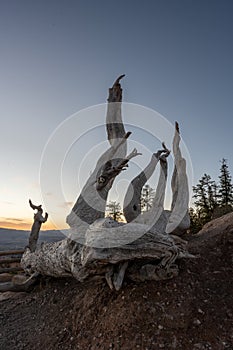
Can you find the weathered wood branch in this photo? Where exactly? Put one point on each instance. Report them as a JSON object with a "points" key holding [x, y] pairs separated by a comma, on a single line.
{"points": [[68, 258], [132, 200], [91, 203], [156, 216], [179, 220], [38, 221], [104, 247], [114, 125]]}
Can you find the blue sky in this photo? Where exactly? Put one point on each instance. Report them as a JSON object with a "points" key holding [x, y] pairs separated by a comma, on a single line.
{"points": [[58, 57]]}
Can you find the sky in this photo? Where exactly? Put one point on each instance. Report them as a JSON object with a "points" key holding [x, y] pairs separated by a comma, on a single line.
{"points": [[60, 57]]}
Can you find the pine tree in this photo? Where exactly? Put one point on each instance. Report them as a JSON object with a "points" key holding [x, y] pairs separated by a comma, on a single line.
{"points": [[205, 193], [114, 210], [147, 196], [225, 186]]}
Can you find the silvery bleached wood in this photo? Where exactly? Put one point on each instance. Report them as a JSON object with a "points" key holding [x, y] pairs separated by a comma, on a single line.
{"points": [[112, 249], [114, 124], [152, 217], [91, 203], [38, 221], [63, 258], [179, 220], [135, 241], [132, 200], [174, 221]]}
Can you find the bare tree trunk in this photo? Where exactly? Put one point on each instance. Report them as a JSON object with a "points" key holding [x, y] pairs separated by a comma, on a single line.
{"points": [[179, 220], [132, 200], [104, 247], [38, 221], [91, 203]]}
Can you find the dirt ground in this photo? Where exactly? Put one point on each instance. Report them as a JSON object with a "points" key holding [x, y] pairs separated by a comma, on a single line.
{"points": [[192, 311]]}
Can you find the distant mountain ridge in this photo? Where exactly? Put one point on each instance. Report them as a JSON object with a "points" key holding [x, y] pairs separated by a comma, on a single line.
{"points": [[18, 239]]}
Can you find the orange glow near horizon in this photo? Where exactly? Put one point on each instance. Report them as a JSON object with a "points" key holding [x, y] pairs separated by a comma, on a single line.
{"points": [[25, 225]]}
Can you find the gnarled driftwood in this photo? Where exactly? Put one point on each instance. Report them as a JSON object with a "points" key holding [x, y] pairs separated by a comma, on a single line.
{"points": [[101, 246]]}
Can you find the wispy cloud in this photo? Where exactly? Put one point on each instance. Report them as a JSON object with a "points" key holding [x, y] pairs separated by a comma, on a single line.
{"points": [[26, 223], [65, 205], [13, 219], [15, 224], [7, 203]]}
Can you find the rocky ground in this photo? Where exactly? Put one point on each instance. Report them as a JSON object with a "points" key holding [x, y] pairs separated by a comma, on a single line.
{"points": [[192, 311]]}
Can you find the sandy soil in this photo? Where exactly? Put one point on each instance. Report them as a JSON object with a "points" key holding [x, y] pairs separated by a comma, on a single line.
{"points": [[192, 311]]}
